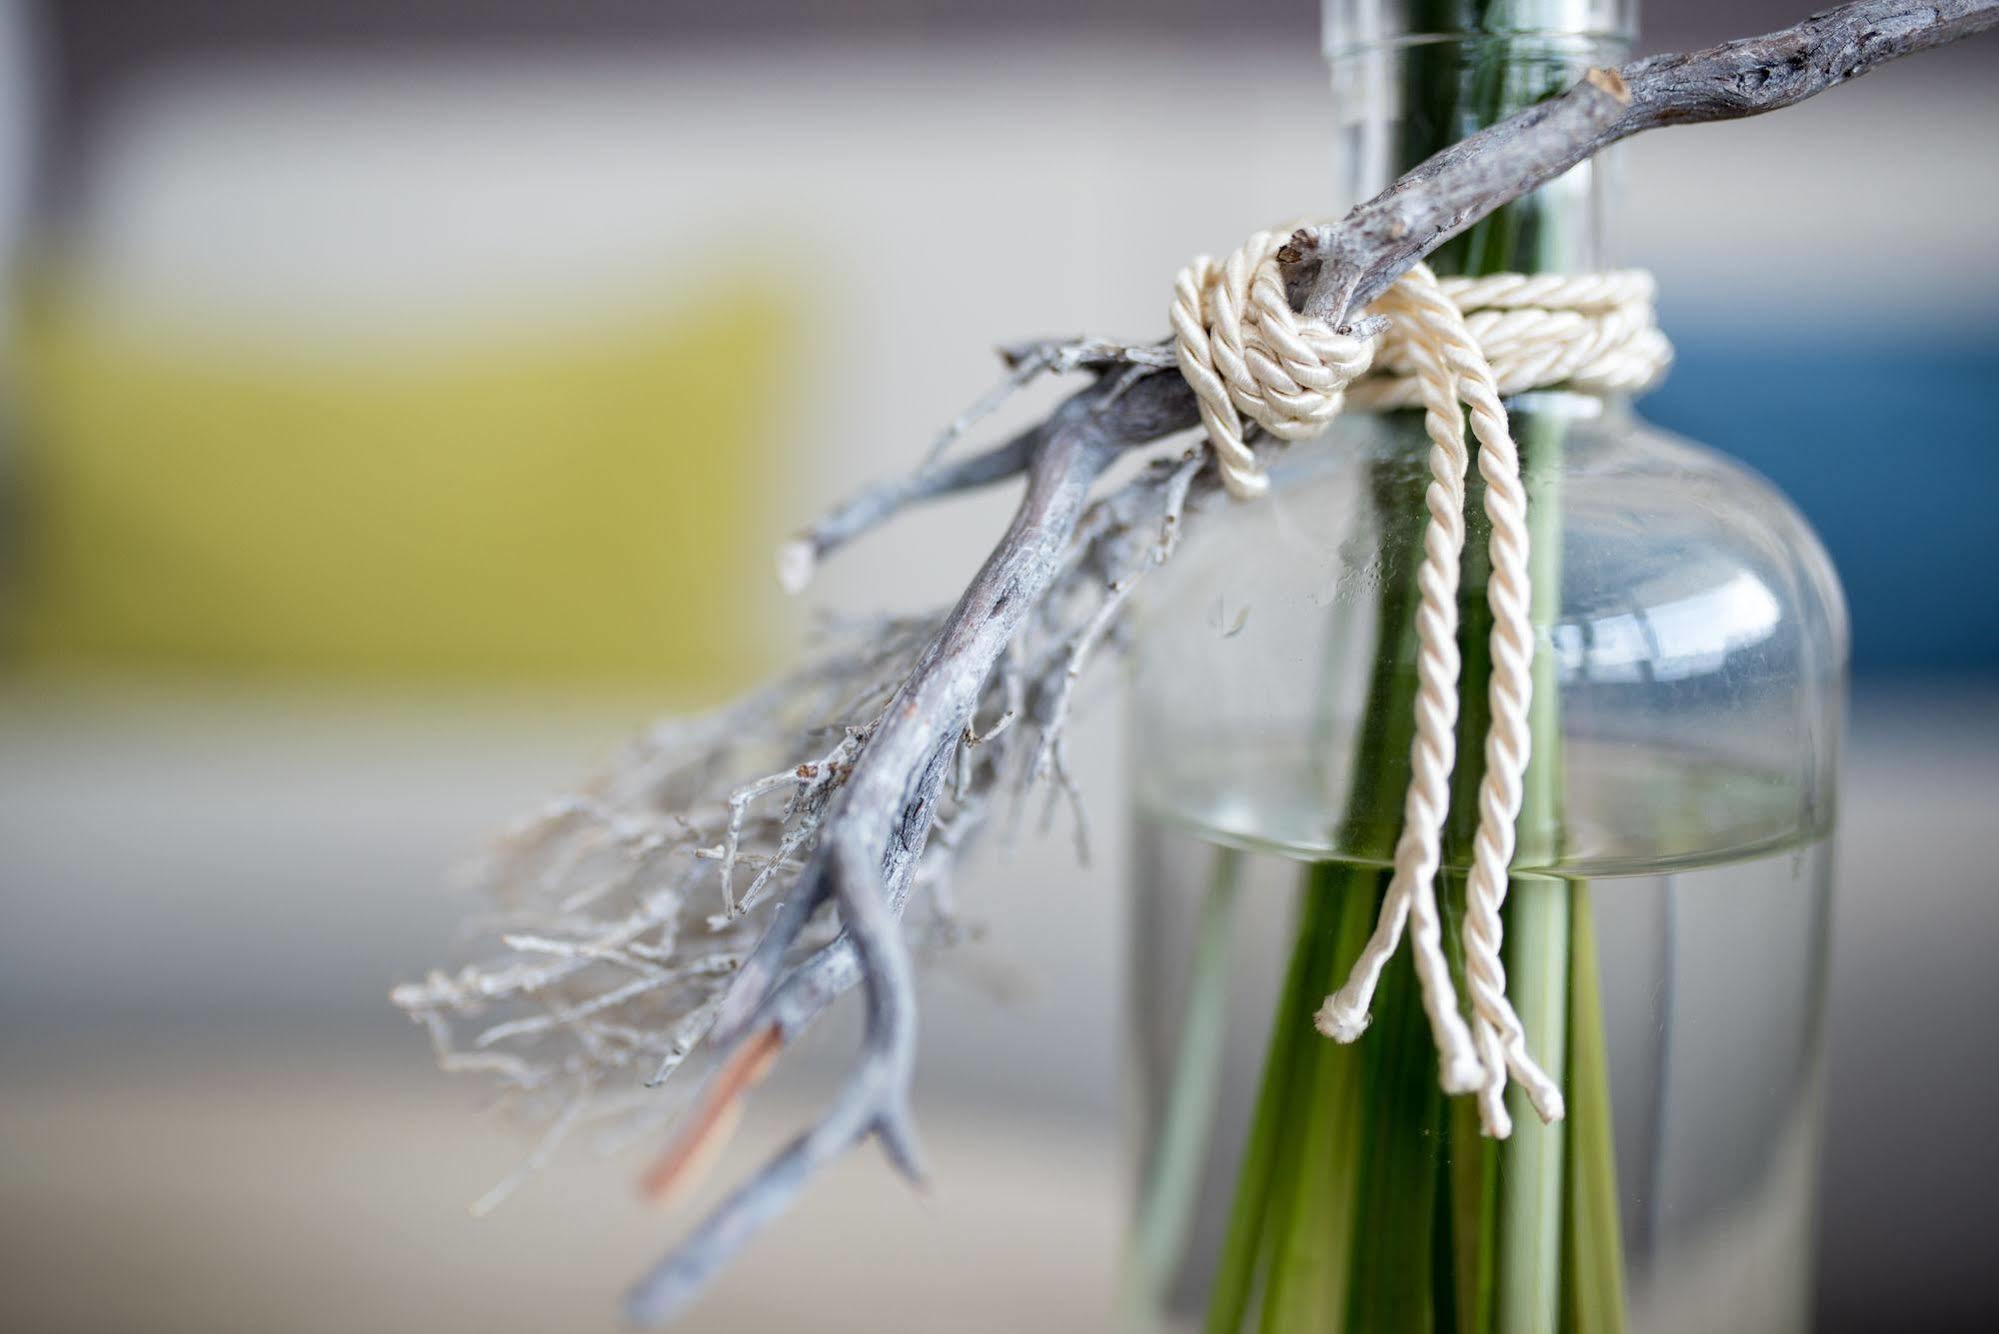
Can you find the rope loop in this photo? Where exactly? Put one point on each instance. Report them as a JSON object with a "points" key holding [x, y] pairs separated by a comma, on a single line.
{"points": [[1452, 347]]}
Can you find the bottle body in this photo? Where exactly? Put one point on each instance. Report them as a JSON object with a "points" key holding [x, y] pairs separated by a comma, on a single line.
{"points": [[1665, 921], [1664, 925], [1691, 651]]}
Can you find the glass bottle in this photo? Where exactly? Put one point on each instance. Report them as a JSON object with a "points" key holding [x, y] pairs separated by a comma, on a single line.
{"points": [[1666, 920]]}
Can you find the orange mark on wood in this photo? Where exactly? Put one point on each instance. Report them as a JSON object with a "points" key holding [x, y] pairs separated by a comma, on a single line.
{"points": [[1610, 81], [712, 1124]]}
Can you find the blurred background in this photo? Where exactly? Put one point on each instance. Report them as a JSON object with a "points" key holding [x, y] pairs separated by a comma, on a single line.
{"points": [[398, 402]]}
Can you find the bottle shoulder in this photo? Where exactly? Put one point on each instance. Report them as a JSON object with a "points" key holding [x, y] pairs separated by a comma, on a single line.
{"points": [[1637, 519], [1690, 646]]}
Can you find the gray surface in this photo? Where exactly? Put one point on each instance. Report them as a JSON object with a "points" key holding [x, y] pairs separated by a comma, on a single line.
{"points": [[206, 898], [1908, 1236]]}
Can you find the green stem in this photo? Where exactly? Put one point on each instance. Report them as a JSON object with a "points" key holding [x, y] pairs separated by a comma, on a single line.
{"points": [[1316, 1211], [1512, 1272], [1269, 1149], [1538, 927], [1530, 1196], [1286, 1223], [1471, 1214], [1394, 1291], [1292, 1185], [1592, 1250], [1174, 1178], [1368, 1202]]}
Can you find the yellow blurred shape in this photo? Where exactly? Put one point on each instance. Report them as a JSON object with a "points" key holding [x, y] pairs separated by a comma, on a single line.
{"points": [[531, 506]]}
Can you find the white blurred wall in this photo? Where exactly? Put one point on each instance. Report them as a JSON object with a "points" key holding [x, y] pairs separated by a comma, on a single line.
{"points": [[930, 202]]}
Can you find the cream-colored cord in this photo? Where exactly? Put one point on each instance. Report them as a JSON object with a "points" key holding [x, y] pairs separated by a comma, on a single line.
{"points": [[1447, 342]]}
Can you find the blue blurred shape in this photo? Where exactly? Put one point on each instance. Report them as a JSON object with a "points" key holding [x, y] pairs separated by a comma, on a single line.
{"points": [[1888, 440]]}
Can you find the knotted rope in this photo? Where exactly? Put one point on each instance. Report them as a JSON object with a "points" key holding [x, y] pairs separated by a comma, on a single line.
{"points": [[1446, 343]]}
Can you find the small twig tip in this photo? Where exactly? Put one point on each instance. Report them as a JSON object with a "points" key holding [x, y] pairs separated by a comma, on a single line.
{"points": [[796, 564]]}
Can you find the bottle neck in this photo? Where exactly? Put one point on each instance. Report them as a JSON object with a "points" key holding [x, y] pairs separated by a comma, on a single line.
{"points": [[1412, 78]]}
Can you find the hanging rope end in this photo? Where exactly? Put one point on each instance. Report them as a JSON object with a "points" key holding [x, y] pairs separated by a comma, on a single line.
{"points": [[1340, 1019], [1493, 1121], [1462, 1073]]}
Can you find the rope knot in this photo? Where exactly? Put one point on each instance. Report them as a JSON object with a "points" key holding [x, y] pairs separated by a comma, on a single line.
{"points": [[1248, 354]]}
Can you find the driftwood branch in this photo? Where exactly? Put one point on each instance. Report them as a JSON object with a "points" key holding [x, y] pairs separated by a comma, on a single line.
{"points": [[1360, 256], [894, 772]]}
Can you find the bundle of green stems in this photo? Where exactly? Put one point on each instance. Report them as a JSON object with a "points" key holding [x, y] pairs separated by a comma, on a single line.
{"points": [[1367, 1200]]}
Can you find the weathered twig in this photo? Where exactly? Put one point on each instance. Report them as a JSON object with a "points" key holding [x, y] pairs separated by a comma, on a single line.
{"points": [[875, 505], [857, 827], [1360, 256]]}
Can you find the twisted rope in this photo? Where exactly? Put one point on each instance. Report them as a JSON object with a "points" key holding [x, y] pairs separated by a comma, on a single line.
{"points": [[1446, 343]]}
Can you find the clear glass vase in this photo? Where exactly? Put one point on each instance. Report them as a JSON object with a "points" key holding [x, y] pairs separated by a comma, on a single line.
{"points": [[1666, 918]]}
